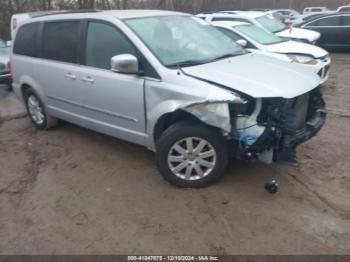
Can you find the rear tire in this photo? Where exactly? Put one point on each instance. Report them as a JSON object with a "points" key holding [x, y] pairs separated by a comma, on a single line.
{"points": [[191, 155], [37, 111]]}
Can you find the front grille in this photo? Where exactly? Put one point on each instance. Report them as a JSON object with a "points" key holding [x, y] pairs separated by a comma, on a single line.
{"points": [[288, 114], [324, 71]]}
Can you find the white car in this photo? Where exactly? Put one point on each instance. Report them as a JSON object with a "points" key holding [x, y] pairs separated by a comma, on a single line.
{"points": [[256, 40], [345, 8], [266, 22], [288, 13], [316, 9]]}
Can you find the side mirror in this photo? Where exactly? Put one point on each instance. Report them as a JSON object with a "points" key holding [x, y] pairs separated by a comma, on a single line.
{"points": [[125, 64], [8, 43], [242, 42]]}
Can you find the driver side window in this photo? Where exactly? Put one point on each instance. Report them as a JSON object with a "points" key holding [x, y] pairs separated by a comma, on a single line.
{"points": [[104, 41]]}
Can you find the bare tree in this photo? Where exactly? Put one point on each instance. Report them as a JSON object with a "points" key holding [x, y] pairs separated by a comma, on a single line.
{"points": [[9, 7]]}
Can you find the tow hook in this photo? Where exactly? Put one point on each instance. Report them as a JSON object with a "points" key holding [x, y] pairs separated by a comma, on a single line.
{"points": [[272, 187]]}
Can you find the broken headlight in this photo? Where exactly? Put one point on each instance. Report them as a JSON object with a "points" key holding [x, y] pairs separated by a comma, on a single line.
{"points": [[303, 59], [245, 109]]}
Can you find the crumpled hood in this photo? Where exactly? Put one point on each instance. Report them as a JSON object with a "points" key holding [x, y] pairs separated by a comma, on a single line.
{"points": [[299, 33], [258, 76], [293, 47]]}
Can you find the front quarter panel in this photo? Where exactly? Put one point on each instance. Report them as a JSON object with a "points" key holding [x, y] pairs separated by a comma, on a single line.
{"points": [[180, 93]]}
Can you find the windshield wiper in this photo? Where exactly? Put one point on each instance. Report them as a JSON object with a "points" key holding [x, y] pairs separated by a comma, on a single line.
{"points": [[187, 63], [200, 62], [226, 56]]}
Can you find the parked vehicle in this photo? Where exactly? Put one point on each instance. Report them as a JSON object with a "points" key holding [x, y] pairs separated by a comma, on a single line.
{"points": [[259, 9], [260, 41], [5, 75], [277, 15], [265, 21], [288, 13], [345, 8], [168, 81], [304, 18], [316, 9], [334, 28]]}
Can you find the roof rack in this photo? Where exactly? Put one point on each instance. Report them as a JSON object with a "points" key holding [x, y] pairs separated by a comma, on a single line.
{"points": [[60, 12]]}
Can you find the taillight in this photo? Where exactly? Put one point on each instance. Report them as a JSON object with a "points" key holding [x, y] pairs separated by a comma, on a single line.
{"points": [[9, 68], [14, 23]]}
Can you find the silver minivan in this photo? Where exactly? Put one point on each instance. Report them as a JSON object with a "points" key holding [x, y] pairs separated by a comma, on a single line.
{"points": [[168, 81]]}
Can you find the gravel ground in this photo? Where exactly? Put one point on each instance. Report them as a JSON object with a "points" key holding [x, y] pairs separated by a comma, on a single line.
{"points": [[73, 191]]}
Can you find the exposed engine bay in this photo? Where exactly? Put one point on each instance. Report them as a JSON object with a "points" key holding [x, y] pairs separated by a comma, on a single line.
{"points": [[270, 129]]}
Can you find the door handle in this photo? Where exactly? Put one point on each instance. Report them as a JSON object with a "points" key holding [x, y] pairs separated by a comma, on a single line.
{"points": [[88, 79], [71, 76]]}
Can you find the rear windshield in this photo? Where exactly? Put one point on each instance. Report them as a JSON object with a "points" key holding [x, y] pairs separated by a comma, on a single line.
{"points": [[259, 35], [272, 24]]}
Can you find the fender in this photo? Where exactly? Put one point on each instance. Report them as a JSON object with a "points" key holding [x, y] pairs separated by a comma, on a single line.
{"points": [[160, 101]]}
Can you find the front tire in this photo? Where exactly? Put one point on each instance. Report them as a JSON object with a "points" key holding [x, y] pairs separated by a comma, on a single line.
{"points": [[37, 111], [191, 155]]}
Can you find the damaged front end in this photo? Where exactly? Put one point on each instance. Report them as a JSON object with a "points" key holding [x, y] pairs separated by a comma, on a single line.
{"points": [[274, 127], [265, 129]]}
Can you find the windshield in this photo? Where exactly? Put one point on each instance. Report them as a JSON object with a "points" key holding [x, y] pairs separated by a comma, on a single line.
{"points": [[183, 40], [259, 35], [2, 44], [272, 24]]}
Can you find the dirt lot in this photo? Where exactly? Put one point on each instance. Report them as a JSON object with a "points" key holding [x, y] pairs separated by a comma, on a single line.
{"points": [[73, 191]]}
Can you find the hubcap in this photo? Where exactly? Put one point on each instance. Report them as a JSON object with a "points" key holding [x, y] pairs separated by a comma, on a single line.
{"points": [[192, 158], [35, 110]]}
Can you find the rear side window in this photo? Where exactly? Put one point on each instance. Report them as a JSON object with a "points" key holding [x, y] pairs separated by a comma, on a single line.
{"points": [[329, 21], [26, 40], [61, 41], [285, 12], [103, 42]]}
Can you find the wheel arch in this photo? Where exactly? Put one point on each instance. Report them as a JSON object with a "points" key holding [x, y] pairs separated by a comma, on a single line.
{"points": [[169, 119], [28, 82]]}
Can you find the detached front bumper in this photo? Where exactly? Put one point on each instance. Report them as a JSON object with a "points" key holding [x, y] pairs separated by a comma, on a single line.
{"points": [[313, 126], [5, 78]]}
